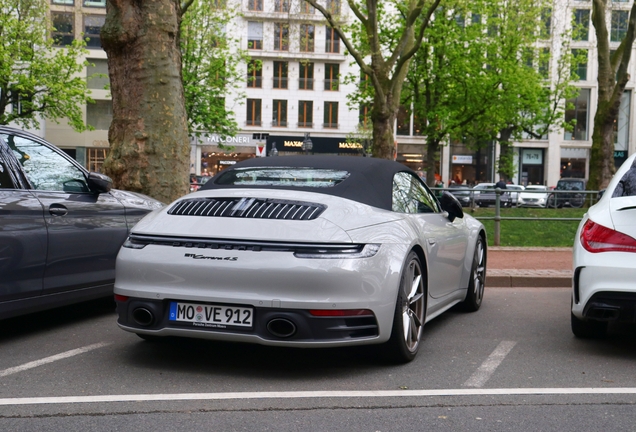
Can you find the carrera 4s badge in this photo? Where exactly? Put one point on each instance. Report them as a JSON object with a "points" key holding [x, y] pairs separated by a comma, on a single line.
{"points": [[214, 258]]}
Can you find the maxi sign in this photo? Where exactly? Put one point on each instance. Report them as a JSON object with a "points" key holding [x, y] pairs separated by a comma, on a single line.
{"points": [[320, 145]]}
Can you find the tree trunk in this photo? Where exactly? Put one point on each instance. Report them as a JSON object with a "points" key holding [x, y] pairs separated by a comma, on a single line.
{"points": [[149, 145], [602, 152], [432, 149], [383, 118]]}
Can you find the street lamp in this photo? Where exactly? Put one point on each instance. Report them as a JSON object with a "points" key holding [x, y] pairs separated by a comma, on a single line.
{"points": [[307, 144], [273, 151]]}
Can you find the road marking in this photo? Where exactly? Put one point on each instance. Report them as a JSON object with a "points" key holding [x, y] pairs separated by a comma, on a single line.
{"points": [[316, 395], [51, 359], [487, 368]]}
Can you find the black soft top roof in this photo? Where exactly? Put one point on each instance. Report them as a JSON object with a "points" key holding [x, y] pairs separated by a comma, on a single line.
{"points": [[370, 180]]}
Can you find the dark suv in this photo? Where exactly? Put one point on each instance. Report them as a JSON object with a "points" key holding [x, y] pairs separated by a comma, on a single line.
{"points": [[60, 226], [569, 196]]}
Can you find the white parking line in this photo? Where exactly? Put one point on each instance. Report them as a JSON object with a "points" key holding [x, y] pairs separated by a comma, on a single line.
{"points": [[488, 367], [316, 394], [51, 359]]}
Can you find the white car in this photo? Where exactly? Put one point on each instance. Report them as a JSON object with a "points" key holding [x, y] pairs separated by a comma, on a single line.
{"points": [[303, 251], [533, 196], [515, 191], [604, 280]]}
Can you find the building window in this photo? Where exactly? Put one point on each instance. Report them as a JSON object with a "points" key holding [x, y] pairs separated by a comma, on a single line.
{"points": [[281, 5], [331, 115], [579, 70], [99, 114], [364, 116], [92, 27], [546, 23], [403, 121], [306, 76], [21, 103], [63, 28], [255, 5], [281, 37], [305, 114], [253, 112], [306, 8], [332, 41], [255, 35], [577, 110], [280, 75], [307, 33], [95, 3], [279, 113], [544, 63], [331, 76], [581, 25], [255, 74], [621, 126], [64, 2], [96, 157], [218, 4], [620, 20], [333, 6], [97, 74]]}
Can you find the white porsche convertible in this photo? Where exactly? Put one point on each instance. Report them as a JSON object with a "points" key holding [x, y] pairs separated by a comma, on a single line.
{"points": [[303, 251]]}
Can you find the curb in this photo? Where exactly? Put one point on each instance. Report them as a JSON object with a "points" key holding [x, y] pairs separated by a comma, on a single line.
{"points": [[527, 281]]}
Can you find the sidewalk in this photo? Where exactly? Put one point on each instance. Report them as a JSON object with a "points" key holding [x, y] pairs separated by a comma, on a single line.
{"points": [[528, 267]]}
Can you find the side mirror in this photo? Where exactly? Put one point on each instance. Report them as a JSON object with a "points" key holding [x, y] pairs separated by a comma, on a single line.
{"points": [[451, 205], [99, 183]]}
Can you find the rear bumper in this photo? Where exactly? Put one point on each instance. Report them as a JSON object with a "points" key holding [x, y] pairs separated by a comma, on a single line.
{"points": [[271, 326]]}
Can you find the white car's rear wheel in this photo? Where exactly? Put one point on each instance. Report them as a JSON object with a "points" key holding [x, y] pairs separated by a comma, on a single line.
{"points": [[476, 284], [410, 312]]}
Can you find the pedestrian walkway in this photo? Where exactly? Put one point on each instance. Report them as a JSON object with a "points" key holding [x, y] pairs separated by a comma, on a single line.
{"points": [[528, 267]]}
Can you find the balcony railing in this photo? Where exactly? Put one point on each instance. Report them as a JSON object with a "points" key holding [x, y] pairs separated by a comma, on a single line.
{"points": [[279, 123], [280, 82], [330, 125], [253, 123], [305, 124], [254, 81], [305, 83], [331, 84]]}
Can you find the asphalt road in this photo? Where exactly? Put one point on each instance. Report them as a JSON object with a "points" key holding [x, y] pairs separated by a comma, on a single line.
{"points": [[514, 365]]}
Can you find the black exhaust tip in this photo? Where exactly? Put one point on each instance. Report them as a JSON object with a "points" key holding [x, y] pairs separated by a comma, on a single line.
{"points": [[281, 327], [143, 317]]}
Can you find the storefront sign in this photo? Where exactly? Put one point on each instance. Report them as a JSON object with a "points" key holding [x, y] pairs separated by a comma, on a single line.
{"points": [[532, 157], [227, 162], [463, 159], [319, 145], [214, 139]]}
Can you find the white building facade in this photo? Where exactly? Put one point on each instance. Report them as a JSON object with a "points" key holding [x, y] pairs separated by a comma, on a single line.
{"points": [[300, 90]]}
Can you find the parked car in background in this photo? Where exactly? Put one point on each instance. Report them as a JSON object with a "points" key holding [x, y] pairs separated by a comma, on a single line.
{"points": [[298, 251], [567, 194], [533, 196], [484, 195], [515, 190], [603, 258], [61, 227], [462, 193], [196, 181]]}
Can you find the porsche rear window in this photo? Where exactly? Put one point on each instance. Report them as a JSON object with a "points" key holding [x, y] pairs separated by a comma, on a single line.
{"points": [[282, 176]]}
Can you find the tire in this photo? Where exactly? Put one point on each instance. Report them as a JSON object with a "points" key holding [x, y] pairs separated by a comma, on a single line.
{"points": [[410, 312], [587, 329], [551, 202], [476, 284], [577, 201]]}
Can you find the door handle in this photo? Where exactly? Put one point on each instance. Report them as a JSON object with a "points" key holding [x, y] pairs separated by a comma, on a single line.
{"points": [[57, 210]]}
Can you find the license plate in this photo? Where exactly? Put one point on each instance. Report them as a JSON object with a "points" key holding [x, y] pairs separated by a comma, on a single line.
{"points": [[211, 316]]}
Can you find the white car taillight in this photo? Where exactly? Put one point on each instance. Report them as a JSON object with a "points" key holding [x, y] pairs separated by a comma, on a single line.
{"points": [[597, 238]]}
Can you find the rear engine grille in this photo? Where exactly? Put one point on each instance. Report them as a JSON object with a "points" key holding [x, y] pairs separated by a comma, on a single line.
{"points": [[257, 208]]}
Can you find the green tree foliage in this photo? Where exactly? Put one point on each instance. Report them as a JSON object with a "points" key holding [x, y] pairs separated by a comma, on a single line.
{"points": [[612, 78], [482, 75], [212, 66], [38, 80], [382, 39]]}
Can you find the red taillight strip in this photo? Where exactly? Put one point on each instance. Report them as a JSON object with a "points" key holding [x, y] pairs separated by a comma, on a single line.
{"points": [[340, 312], [120, 298], [597, 238]]}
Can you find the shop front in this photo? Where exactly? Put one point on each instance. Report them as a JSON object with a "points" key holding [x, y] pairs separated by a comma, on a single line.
{"points": [[574, 162], [532, 166], [212, 154], [469, 166], [298, 145]]}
